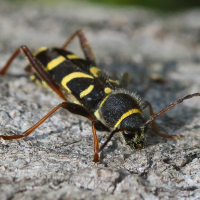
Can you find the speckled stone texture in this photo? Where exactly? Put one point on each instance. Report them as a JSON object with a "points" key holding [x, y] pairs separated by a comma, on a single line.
{"points": [[161, 52]]}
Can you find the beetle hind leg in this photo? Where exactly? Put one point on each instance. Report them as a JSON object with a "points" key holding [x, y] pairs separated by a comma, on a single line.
{"points": [[85, 46], [37, 66]]}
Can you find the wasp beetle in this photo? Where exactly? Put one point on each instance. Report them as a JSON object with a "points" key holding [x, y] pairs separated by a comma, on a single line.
{"points": [[104, 101]]}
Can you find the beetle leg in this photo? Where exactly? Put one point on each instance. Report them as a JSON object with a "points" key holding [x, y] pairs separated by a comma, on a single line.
{"points": [[154, 127], [36, 65], [124, 80], [85, 46], [71, 107]]}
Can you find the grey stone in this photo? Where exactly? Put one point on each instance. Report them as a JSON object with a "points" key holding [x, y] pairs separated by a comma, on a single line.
{"points": [[161, 54]]}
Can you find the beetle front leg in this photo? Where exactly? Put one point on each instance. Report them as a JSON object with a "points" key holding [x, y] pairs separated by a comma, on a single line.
{"points": [[155, 130]]}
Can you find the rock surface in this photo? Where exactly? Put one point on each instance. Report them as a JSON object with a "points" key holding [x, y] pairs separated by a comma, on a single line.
{"points": [[161, 54]]}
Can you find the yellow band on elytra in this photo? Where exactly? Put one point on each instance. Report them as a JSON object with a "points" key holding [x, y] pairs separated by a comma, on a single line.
{"points": [[40, 50], [94, 71], [86, 91], [73, 75], [55, 62], [73, 56]]}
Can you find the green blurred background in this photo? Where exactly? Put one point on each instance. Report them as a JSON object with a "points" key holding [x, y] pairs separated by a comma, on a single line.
{"points": [[166, 5], [163, 5]]}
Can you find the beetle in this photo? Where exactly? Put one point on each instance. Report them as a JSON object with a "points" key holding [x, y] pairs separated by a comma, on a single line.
{"points": [[105, 102]]}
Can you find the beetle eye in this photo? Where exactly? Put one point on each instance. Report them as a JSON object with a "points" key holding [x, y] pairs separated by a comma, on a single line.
{"points": [[129, 134]]}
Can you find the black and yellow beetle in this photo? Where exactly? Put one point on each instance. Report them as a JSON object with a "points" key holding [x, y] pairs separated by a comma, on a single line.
{"points": [[102, 100]]}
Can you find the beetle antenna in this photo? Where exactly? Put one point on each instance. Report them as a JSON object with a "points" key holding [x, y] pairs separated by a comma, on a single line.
{"points": [[169, 107]]}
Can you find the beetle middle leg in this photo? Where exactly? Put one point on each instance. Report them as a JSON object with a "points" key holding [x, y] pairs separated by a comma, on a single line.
{"points": [[124, 80], [73, 108]]}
